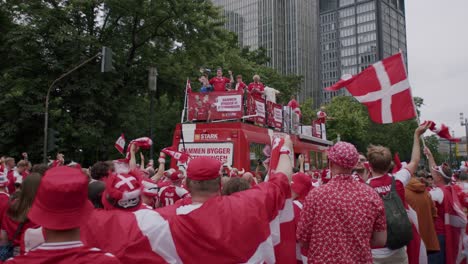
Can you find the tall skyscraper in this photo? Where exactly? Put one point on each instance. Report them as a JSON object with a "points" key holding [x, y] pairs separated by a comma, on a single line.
{"points": [[287, 29], [356, 33]]}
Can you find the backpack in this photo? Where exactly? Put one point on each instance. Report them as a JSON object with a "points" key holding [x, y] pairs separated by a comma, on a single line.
{"points": [[399, 229]]}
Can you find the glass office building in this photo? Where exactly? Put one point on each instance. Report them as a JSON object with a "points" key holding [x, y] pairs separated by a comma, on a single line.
{"points": [[287, 29], [356, 33]]}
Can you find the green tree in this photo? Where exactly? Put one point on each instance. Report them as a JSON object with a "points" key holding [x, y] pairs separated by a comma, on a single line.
{"points": [[40, 40]]}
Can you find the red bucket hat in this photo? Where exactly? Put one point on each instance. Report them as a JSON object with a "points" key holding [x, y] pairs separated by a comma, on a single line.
{"points": [[61, 201], [344, 155], [125, 190], [204, 168], [301, 184]]}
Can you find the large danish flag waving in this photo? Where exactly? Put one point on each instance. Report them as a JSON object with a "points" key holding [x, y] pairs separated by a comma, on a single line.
{"points": [[384, 89]]}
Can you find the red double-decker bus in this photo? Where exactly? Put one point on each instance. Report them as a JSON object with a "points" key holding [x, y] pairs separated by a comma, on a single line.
{"points": [[241, 144], [234, 127]]}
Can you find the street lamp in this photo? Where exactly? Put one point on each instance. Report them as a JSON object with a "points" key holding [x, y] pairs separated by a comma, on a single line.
{"points": [[152, 85], [106, 66], [464, 122]]}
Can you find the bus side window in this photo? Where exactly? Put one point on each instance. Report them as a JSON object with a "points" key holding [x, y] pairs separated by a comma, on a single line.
{"points": [[325, 160], [313, 160], [256, 156], [320, 160]]}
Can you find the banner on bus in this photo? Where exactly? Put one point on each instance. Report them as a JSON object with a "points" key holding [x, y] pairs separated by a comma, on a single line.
{"points": [[275, 115], [317, 128], [256, 106], [214, 106], [223, 152]]}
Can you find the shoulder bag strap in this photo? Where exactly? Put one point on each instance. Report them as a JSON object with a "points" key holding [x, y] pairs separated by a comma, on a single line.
{"points": [[393, 188], [18, 231]]}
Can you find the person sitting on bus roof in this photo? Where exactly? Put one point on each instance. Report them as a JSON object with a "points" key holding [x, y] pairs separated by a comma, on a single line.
{"points": [[219, 81]]}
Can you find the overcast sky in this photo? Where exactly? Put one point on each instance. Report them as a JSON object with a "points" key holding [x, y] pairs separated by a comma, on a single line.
{"points": [[437, 36]]}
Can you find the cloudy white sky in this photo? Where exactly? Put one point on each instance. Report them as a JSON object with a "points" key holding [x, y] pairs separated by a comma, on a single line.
{"points": [[437, 36]]}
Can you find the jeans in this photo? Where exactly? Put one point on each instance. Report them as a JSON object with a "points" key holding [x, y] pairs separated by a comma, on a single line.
{"points": [[439, 257]]}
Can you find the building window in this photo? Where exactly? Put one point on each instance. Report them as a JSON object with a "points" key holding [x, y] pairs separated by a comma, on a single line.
{"points": [[366, 27], [346, 42], [346, 32], [350, 21], [366, 17], [366, 7], [368, 47], [348, 52], [367, 37], [346, 2], [346, 12]]}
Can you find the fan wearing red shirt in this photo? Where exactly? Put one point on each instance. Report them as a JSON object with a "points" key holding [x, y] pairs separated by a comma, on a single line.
{"points": [[219, 82], [301, 184], [380, 160], [61, 221], [4, 196], [256, 88], [342, 219], [240, 85], [170, 194]]}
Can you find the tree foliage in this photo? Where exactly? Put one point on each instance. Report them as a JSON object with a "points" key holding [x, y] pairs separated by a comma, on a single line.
{"points": [[42, 39]]}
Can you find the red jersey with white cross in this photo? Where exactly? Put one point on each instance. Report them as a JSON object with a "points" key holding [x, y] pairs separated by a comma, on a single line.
{"points": [[168, 195], [65, 253], [382, 184]]}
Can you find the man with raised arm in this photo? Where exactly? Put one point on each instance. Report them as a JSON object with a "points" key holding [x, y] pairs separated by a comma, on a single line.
{"points": [[380, 160], [219, 81], [451, 221]]}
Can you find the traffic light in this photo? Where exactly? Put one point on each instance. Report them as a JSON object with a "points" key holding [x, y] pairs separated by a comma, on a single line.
{"points": [[52, 138]]}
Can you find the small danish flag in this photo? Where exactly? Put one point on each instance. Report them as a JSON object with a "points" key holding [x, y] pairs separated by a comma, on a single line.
{"points": [[120, 144]]}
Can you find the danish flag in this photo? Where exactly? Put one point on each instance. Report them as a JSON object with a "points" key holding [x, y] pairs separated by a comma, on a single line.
{"points": [[384, 89], [120, 144], [182, 157]]}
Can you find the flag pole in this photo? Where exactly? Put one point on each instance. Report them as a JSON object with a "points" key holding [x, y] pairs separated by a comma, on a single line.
{"points": [[185, 104], [418, 120]]}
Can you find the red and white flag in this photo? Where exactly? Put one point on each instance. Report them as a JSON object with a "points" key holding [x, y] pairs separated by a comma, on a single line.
{"points": [[442, 131], [120, 144], [182, 157], [384, 89]]}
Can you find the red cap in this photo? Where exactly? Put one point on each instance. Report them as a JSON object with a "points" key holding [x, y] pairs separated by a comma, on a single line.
{"points": [[204, 168], [61, 201], [301, 184], [125, 189]]}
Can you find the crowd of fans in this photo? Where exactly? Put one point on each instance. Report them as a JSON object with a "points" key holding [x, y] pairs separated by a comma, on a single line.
{"points": [[365, 208]]}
